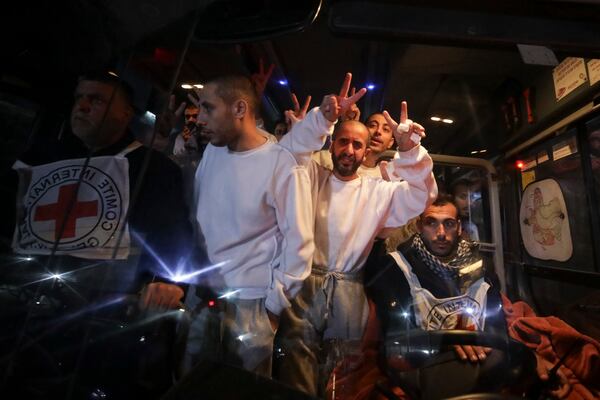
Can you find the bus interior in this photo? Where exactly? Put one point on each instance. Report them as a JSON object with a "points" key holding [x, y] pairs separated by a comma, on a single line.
{"points": [[508, 94]]}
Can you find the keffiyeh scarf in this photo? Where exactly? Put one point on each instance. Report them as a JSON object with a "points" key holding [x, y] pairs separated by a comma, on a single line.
{"points": [[465, 255]]}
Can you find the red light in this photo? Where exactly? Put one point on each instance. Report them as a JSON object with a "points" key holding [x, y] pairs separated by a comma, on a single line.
{"points": [[164, 56], [520, 164], [211, 303]]}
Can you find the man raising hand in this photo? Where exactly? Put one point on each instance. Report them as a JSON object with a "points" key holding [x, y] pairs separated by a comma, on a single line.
{"points": [[350, 211]]}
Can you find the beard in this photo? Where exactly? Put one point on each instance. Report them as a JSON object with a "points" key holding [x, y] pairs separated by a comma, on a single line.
{"points": [[95, 135], [441, 248], [345, 165]]}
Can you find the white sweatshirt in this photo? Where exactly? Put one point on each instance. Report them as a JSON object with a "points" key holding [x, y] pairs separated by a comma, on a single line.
{"points": [[350, 214], [373, 172], [255, 213]]}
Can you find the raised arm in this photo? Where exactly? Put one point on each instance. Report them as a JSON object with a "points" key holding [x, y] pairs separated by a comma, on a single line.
{"points": [[412, 185], [261, 78], [309, 134]]}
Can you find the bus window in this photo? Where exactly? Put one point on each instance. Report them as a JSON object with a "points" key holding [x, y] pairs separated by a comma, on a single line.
{"points": [[557, 160]]}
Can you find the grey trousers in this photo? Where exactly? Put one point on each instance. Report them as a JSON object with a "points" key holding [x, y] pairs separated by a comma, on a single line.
{"points": [[325, 322], [237, 333]]}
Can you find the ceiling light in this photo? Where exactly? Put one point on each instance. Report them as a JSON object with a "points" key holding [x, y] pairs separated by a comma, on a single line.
{"points": [[199, 86], [186, 86], [283, 82], [447, 121], [370, 86], [437, 119], [113, 74], [474, 152], [483, 151]]}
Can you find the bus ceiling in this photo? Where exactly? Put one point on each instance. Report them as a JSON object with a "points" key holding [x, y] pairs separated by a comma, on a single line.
{"points": [[457, 62]]}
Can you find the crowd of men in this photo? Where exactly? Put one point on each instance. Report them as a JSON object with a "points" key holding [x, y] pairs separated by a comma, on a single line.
{"points": [[283, 239]]}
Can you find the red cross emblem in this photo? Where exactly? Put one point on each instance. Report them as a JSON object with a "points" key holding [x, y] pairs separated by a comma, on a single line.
{"points": [[67, 194]]}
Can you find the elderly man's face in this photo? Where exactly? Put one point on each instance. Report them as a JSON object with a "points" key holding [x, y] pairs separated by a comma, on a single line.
{"points": [[440, 229], [99, 117]]}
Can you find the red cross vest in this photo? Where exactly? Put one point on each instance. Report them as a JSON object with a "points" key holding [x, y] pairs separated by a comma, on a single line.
{"points": [[79, 210]]}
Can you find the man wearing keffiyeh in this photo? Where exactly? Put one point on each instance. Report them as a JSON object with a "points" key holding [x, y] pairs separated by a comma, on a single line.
{"points": [[438, 281]]}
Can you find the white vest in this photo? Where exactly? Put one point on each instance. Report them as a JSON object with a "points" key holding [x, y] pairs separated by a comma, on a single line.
{"points": [[97, 207], [466, 311]]}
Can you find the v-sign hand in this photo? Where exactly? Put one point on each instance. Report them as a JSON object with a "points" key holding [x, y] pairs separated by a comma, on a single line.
{"points": [[346, 102], [407, 133]]}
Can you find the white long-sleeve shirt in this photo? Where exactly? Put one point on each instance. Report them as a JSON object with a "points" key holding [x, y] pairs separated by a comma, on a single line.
{"points": [[255, 212], [350, 214]]}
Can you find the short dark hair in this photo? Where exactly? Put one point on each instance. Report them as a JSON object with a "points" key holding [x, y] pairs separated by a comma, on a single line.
{"points": [[372, 114], [234, 87], [443, 199], [107, 78]]}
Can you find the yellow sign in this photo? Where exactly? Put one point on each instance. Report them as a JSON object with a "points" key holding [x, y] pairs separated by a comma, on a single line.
{"points": [[527, 177]]}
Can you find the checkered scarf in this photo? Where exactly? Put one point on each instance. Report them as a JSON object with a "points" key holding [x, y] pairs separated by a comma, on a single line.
{"points": [[467, 253]]}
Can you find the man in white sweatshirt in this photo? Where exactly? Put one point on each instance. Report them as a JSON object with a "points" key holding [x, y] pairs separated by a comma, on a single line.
{"points": [[382, 139], [254, 210], [350, 212]]}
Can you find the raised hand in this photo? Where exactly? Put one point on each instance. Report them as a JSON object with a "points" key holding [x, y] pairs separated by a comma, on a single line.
{"points": [[261, 78], [346, 102], [353, 112], [407, 133], [297, 114], [166, 121], [330, 108], [333, 107]]}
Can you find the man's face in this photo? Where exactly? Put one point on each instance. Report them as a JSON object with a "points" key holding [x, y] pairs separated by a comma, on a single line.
{"points": [[440, 229], [191, 117], [461, 198], [215, 117], [349, 148], [98, 117], [382, 136]]}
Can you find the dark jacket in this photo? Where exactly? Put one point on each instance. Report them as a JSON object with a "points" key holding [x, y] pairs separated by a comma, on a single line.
{"points": [[387, 287]]}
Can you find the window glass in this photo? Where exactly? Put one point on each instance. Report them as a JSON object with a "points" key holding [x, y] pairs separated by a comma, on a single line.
{"points": [[558, 160]]}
